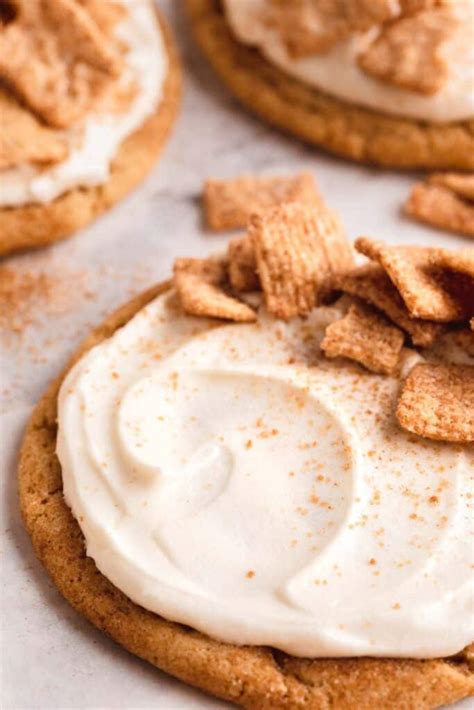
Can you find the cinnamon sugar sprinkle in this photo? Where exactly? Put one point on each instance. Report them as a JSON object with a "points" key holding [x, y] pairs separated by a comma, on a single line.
{"points": [[27, 296]]}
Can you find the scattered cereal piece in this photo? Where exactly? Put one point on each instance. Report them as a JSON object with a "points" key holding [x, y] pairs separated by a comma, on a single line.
{"points": [[367, 337], [371, 283], [427, 292], [228, 204], [56, 59], [461, 184], [442, 208], [407, 53], [437, 402], [291, 259], [243, 265], [199, 283], [307, 27], [23, 139]]}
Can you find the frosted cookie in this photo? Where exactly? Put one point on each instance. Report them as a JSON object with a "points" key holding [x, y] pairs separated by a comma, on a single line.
{"points": [[203, 483], [384, 83], [89, 93]]}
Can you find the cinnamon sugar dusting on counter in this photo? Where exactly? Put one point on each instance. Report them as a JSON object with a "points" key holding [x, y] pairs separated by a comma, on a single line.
{"points": [[28, 296]]}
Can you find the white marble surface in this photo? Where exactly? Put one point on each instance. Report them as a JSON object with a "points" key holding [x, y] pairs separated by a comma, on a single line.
{"points": [[51, 659]]}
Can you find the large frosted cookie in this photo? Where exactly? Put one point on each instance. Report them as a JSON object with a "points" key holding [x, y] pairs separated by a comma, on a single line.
{"points": [[340, 126], [250, 676], [88, 153]]}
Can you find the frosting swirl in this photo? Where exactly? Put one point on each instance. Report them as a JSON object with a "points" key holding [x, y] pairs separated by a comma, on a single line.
{"points": [[231, 479]]}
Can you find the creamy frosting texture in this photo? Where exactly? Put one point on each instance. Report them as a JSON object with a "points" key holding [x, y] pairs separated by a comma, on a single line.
{"points": [[93, 145], [229, 478], [338, 74]]}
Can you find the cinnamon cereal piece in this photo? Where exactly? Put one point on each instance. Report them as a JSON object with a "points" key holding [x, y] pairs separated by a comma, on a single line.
{"points": [[56, 59], [437, 402], [442, 208], [461, 184], [336, 245], [291, 259], [426, 291], [243, 265], [199, 283], [311, 27], [228, 204], [408, 52], [461, 260], [23, 139], [371, 283], [366, 336], [106, 15]]}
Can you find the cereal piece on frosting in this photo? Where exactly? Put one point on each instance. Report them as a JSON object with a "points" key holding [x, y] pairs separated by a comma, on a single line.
{"points": [[408, 53], [366, 336], [56, 59], [291, 259], [437, 402], [371, 283], [105, 14], [243, 265], [441, 206], [314, 26], [200, 286], [228, 204], [427, 291], [23, 139]]}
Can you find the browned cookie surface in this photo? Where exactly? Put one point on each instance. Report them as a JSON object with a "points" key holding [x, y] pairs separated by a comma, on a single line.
{"points": [[253, 677], [342, 128], [36, 225]]}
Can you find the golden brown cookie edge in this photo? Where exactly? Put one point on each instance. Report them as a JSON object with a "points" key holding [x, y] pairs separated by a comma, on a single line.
{"points": [[342, 128], [253, 677], [37, 225]]}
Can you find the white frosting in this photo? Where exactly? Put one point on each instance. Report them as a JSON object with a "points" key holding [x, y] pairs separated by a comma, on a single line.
{"points": [[94, 144], [338, 74], [221, 482]]}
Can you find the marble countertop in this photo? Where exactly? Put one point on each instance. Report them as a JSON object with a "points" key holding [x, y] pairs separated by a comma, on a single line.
{"points": [[51, 658]]}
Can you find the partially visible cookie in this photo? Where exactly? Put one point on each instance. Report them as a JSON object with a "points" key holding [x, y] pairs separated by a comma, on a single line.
{"points": [[337, 126], [35, 225]]}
